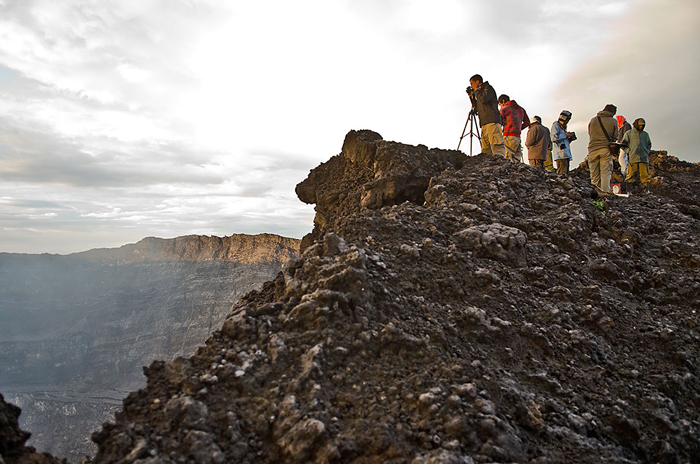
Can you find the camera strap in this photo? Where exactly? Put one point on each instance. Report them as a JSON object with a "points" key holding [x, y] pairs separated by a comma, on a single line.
{"points": [[607, 136]]}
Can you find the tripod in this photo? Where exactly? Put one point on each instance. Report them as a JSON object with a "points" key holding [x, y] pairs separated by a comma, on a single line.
{"points": [[470, 122]]}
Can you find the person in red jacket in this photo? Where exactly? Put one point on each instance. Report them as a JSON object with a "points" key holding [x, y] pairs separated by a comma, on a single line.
{"points": [[514, 120]]}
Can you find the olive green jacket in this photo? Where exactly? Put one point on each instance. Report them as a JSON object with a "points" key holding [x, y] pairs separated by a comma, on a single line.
{"points": [[638, 146]]}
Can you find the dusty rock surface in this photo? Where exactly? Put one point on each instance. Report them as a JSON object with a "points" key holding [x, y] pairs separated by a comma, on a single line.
{"points": [[489, 313]]}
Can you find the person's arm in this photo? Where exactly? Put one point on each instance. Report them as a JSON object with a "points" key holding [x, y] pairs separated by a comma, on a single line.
{"points": [[530, 140], [558, 136], [626, 140], [526, 120]]}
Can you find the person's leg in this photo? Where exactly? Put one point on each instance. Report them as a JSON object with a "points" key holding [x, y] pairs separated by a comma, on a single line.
{"points": [[606, 169], [594, 167], [536, 163], [632, 169], [492, 140], [519, 150], [498, 146], [623, 163], [485, 141], [643, 173], [562, 166], [511, 144], [548, 164]]}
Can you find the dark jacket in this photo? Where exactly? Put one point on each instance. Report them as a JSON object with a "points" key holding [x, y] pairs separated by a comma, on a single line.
{"points": [[625, 127], [514, 119], [597, 139], [487, 105], [537, 141]]}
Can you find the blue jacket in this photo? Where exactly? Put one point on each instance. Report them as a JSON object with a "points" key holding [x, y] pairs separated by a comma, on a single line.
{"points": [[558, 138]]}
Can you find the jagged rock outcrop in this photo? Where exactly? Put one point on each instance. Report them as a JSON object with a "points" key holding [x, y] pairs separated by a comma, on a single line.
{"points": [[77, 329], [387, 173], [499, 315]]}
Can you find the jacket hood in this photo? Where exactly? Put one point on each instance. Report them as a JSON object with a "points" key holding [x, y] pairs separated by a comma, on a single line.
{"points": [[605, 114]]}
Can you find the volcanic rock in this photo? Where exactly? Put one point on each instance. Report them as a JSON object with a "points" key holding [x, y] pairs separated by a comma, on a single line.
{"points": [[481, 312]]}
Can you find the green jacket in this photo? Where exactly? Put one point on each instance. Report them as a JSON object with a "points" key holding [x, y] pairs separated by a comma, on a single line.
{"points": [[638, 146]]}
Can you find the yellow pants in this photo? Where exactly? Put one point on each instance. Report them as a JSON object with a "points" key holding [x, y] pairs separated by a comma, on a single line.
{"points": [[642, 168]]}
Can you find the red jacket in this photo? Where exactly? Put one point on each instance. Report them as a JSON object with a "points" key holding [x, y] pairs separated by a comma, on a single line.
{"points": [[514, 119]]}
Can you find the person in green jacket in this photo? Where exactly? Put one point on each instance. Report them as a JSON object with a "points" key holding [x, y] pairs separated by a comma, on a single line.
{"points": [[638, 145]]}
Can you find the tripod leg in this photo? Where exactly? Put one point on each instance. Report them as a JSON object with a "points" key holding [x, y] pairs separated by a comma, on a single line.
{"points": [[472, 118], [463, 131]]}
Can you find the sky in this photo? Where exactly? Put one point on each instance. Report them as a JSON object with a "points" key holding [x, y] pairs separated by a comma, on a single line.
{"points": [[123, 119]]}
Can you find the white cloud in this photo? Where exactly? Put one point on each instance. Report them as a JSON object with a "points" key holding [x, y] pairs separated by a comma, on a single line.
{"points": [[165, 117]]}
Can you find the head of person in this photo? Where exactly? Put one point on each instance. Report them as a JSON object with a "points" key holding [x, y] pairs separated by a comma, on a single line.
{"points": [[639, 124], [475, 81], [564, 117], [537, 120], [610, 108], [503, 99], [620, 121]]}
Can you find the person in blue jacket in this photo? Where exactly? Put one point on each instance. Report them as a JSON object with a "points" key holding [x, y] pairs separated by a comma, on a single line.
{"points": [[561, 140]]}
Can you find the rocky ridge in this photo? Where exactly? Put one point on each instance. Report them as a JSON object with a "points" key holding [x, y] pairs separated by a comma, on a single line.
{"points": [[240, 248], [449, 309]]}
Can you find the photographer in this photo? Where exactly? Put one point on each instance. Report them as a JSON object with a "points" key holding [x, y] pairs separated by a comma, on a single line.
{"points": [[484, 101]]}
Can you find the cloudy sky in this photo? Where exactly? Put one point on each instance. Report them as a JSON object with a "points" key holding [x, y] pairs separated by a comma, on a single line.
{"points": [[121, 119]]}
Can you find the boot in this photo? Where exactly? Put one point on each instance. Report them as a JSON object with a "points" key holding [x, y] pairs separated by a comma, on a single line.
{"points": [[646, 189]]}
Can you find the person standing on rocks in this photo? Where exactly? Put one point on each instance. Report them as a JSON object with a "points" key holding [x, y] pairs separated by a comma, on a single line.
{"points": [[602, 131], [638, 144], [622, 126], [538, 143], [561, 140], [483, 98], [514, 119]]}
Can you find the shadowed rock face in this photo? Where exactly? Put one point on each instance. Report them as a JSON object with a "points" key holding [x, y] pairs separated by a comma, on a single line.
{"points": [[76, 330], [498, 315]]}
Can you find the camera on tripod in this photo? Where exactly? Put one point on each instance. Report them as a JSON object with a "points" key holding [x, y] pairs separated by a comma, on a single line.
{"points": [[470, 91]]}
